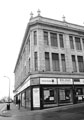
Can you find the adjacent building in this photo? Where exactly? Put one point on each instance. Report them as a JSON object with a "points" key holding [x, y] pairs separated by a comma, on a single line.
{"points": [[49, 70]]}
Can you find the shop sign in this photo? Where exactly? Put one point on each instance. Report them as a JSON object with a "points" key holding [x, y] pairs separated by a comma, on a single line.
{"points": [[48, 81], [36, 97], [78, 81], [64, 81]]}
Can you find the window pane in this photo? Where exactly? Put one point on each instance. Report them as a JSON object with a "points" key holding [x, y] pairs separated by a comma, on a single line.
{"points": [[80, 63], [71, 42], [53, 37], [74, 63], [63, 62], [49, 96], [83, 42], [61, 40], [35, 37], [36, 61], [78, 43], [47, 61], [46, 38], [55, 62]]}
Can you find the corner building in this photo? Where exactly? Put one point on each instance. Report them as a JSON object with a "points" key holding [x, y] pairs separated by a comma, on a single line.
{"points": [[49, 70]]}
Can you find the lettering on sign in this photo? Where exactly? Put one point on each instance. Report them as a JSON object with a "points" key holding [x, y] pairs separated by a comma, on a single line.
{"points": [[80, 81], [64, 81], [48, 81]]}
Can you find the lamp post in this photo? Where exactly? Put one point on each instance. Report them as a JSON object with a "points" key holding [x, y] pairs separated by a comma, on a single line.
{"points": [[8, 106]]}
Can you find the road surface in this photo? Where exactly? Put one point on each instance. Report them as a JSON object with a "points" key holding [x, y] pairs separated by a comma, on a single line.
{"points": [[67, 114]]}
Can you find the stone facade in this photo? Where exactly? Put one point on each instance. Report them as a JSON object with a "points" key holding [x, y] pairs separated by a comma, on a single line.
{"points": [[25, 66]]}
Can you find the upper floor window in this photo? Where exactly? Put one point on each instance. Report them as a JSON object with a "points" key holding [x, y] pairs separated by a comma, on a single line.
{"points": [[80, 63], [78, 43], [71, 42], [29, 65], [83, 42], [74, 63], [35, 61], [61, 40], [47, 61], [63, 62], [55, 62], [53, 37], [35, 37], [46, 38]]}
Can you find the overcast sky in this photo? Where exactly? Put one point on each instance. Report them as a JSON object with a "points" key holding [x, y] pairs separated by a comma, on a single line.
{"points": [[14, 16]]}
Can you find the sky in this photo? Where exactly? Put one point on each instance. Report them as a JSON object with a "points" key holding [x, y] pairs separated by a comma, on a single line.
{"points": [[14, 16]]}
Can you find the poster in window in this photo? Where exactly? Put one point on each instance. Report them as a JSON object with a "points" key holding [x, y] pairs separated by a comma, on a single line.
{"points": [[62, 94], [36, 97]]}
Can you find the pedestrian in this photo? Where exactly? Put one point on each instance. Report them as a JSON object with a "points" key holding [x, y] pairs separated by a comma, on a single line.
{"points": [[19, 104]]}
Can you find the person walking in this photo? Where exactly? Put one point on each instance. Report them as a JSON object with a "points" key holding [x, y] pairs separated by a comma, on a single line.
{"points": [[19, 104]]}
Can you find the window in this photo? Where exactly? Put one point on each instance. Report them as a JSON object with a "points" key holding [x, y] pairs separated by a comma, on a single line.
{"points": [[53, 37], [80, 63], [35, 61], [29, 65], [83, 42], [65, 95], [63, 62], [78, 43], [61, 40], [35, 37], [46, 38], [55, 62], [29, 44], [47, 61], [71, 42], [49, 95], [74, 63]]}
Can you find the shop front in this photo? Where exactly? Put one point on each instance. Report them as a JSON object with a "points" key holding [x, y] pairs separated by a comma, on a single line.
{"points": [[79, 90], [48, 92], [65, 95], [56, 91], [65, 91]]}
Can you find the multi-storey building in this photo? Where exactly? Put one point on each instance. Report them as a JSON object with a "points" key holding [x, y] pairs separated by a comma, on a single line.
{"points": [[50, 67]]}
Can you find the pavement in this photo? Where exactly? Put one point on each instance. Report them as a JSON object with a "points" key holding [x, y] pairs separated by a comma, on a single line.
{"points": [[15, 112]]}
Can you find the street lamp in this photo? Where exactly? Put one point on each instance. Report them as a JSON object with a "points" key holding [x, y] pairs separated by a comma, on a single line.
{"points": [[8, 106]]}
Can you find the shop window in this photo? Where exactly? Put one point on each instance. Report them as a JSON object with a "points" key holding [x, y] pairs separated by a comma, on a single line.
{"points": [[49, 96], [28, 98], [79, 94], [65, 96]]}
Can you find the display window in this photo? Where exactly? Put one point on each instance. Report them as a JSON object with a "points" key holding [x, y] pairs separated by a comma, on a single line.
{"points": [[49, 95], [65, 95], [79, 94]]}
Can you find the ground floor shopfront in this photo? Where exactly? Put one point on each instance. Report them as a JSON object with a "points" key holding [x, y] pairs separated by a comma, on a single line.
{"points": [[40, 93]]}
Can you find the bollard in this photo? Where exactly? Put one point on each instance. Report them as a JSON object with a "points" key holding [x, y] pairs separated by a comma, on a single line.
{"points": [[8, 106]]}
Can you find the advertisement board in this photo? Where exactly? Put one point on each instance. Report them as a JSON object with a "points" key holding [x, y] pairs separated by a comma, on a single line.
{"points": [[36, 97]]}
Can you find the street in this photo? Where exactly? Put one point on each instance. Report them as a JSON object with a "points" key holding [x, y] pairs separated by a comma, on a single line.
{"points": [[76, 113]]}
